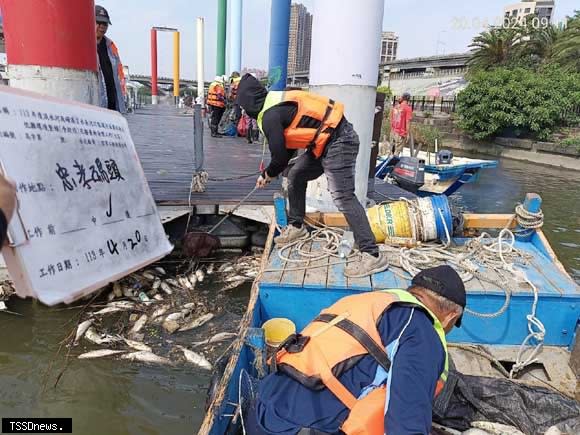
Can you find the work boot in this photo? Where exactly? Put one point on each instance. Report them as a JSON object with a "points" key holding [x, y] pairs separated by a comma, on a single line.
{"points": [[366, 265], [291, 234]]}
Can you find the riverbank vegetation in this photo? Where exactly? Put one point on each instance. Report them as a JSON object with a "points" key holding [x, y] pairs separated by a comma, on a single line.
{"points": [[524, 81]]}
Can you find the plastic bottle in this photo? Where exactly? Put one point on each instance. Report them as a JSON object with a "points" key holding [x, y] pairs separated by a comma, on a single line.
{"points": [[280, 209], [345, 245]]}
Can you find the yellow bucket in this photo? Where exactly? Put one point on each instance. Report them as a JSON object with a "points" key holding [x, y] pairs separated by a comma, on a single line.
{"points": [[277, 330], [390, 221]]}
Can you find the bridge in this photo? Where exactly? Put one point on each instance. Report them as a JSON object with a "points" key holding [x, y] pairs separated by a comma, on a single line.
{"points": [[166, 81], [447, 64]]}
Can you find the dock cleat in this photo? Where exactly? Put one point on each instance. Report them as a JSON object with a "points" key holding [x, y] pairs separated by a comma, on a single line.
{"points": [[367, 265], [291, 234]]}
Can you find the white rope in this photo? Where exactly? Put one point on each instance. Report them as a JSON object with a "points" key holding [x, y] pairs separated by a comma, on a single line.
{"points": [[529, 220]]}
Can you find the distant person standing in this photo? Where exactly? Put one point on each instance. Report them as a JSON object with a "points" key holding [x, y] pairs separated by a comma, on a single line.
{"points": [[401, 115], [216, 100], [234, 84], [112, 88]]}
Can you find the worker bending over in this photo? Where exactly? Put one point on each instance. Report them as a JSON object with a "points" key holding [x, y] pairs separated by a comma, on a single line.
{"points": [[370, 364], [293, 120]]}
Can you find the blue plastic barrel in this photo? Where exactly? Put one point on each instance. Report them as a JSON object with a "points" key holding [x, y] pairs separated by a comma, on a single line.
{"points": [[441, 203]]}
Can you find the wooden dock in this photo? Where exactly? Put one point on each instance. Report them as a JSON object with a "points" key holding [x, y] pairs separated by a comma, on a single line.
{"points": [[163, 137]]}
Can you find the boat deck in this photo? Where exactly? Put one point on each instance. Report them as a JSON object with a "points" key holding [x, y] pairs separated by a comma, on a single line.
{"points": [[558, 297], [163, 137]]}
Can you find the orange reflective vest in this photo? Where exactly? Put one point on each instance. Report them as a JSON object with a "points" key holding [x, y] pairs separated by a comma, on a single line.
{"points": [[216, 95], [336, 340], [323, 109]]}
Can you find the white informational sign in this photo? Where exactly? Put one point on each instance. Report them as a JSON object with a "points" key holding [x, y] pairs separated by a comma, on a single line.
{"points": [[85, 215]]}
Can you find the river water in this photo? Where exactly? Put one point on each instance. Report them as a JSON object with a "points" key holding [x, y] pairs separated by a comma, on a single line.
{"points": [[115, 397]]}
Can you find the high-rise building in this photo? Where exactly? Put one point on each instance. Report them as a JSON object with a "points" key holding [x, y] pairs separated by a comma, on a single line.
{"points": [[300, 34], [544, 9], [389, 44]]}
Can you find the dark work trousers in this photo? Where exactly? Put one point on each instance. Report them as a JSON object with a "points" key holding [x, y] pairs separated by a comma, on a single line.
{"points": [[216, 117], [253, 428], [338, 164]]}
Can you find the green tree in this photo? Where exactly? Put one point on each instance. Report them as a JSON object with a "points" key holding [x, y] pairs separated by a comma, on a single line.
{"points": [[526, 102], [493, 48], [566, 51]]}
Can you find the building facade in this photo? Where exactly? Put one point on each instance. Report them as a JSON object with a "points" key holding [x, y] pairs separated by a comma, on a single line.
{"points": [[515, 13], [389, 45], [300, 39]]}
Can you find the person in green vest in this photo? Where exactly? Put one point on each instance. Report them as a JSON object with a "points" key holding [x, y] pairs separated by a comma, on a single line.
{"points": [[372, 363]]}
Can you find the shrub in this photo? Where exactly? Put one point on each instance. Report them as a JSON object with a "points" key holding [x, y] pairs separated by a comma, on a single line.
{"points": [[425, 135], [531, 103]]}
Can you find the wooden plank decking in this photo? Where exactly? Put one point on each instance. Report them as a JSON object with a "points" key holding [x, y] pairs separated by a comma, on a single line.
{"points": [[163, 136]]}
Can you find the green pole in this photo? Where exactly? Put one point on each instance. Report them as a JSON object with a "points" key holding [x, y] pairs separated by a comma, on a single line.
{"points": [[220, 67]]}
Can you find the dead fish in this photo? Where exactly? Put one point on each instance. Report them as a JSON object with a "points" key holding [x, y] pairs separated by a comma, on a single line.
{"points": [[226, 267], [210, 269], [158, 297], [232, 285], [94, 337], [156, 284], [117, 290], [124, 305], [99, 353], [171, 322], [252, 273], [195, 358], [137, 345], [106, 310], [139, 324], [173, 282], [235, 278], [111, 296], [200, 275], [222, 336], [190, 305], [196, 323], [146, 357], [127, 292], [184, 282], [159, 311], [160, 270], [165, 287], [148, 275], [81, 329], [192, 278]]}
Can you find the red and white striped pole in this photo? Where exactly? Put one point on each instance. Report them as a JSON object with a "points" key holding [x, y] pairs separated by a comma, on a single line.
{"points": [[51, 47], [154, 94]]}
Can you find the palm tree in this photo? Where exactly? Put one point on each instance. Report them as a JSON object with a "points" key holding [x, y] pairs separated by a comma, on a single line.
{"points": [[566, 51], [536, 45], [492, 48]]}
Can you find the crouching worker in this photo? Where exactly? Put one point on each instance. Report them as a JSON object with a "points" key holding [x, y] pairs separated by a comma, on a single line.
{"points": [[370, 364], [293, 120]]}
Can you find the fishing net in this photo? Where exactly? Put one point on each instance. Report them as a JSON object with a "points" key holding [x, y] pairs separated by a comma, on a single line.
{"points": [[199, 244], [532, 410]]}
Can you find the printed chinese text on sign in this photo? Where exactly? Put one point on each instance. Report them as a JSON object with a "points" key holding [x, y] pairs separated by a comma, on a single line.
{"points": [[86, 216]]}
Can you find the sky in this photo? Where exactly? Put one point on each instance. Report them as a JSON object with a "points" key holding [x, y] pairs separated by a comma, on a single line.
{"points": [[425, 28]]}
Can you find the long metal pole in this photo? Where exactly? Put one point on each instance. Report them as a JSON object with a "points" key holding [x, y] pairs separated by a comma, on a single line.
{"points": [[154, 95], [200, 58], [57, 59], [278, 58], [221, 38], [235, 36], [176, 67]]}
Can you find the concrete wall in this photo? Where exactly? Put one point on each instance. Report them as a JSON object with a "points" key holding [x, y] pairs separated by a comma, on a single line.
{"points": [[448, 85]]}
